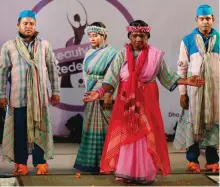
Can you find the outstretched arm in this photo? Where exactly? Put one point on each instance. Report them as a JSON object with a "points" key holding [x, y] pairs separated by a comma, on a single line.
{"points": [[168, 78], [171, 80]]}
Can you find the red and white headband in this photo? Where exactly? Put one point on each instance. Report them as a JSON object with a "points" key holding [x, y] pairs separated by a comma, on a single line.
{"points": [[138, 29]]}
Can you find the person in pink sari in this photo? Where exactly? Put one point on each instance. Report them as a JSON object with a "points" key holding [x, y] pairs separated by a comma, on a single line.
{"points": [[135, 147]]}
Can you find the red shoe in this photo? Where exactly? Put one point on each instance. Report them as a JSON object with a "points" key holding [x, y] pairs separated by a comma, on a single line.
{"points": [[214, 167], [193, 167], [20, 169], [42, 169]]}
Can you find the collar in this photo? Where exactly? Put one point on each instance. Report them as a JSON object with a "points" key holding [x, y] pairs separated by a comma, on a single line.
{"points": [[21, 36], [212, 33]]}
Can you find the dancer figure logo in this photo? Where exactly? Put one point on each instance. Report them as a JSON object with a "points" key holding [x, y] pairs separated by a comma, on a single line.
{"points": [[71, 56]]}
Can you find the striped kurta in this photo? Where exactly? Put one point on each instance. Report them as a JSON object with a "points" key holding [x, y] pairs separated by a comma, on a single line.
{"points": [[12, 63], [191, 60]]}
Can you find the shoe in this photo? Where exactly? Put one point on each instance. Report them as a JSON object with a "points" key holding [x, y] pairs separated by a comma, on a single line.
{"points": [[42, 169], [214, 167], [122, 180], [20, 169], [193, 167]]}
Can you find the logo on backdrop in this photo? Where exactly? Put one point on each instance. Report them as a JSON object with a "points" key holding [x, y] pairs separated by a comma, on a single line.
{"points": [[173, 114], [71, 56]]}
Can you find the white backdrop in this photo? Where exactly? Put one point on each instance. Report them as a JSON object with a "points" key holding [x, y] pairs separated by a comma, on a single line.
{"points": [[170, 20]]}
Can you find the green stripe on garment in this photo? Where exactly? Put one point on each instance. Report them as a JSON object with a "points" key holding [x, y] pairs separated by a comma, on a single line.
{"points": [[93, 136]]}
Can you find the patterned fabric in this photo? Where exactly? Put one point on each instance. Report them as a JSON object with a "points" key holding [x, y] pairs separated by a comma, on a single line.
{"points": [[118, 71], [12, 62], [202, 105], [145, 29], [148, 120], [184, 134], [136, 153], [34, 108], [96, 118], [93, 136], [167, 78], [16, 63], [191, 58], [131, 93], [95, 29], [44, 140], [96, 64]]}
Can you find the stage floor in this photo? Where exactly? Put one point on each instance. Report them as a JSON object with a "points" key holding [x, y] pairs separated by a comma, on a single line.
{"points": [[62, 173]]}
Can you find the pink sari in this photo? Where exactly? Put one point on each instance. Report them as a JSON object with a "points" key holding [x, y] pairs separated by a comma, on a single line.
{"points": [[135, 146]]}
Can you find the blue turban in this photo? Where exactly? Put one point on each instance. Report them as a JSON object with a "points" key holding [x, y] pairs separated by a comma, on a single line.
{"points": [[27, 13], [204, 10]]}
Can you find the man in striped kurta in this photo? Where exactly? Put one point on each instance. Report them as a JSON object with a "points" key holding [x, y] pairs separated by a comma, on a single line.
{"points": [[28, 62], [198, 126]]}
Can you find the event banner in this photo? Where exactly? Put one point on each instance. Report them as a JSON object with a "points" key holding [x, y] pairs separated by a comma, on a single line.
{"points": [[62, 23]]}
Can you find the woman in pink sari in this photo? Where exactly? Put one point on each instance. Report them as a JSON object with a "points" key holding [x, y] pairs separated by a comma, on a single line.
{"points": [[135, 146]]}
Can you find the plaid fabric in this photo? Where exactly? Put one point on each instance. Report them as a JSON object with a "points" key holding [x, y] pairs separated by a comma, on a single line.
{"points": [[166, 77], [191, 63], [11, 61], [184, 136], [34, 108], [43, 138], [112, 76], [93, 136], [96, 64], [202, 104]]}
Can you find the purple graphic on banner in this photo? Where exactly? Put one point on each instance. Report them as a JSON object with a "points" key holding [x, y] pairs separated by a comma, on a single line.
{"points": [[71, 56], [71, 53], [115, 3]]}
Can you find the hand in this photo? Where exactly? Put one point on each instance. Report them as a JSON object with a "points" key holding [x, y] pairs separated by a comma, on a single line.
{"points": [[91, 96], [195, 81], [184, 101], [3, 102], [107, 101], [55, 99]]}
